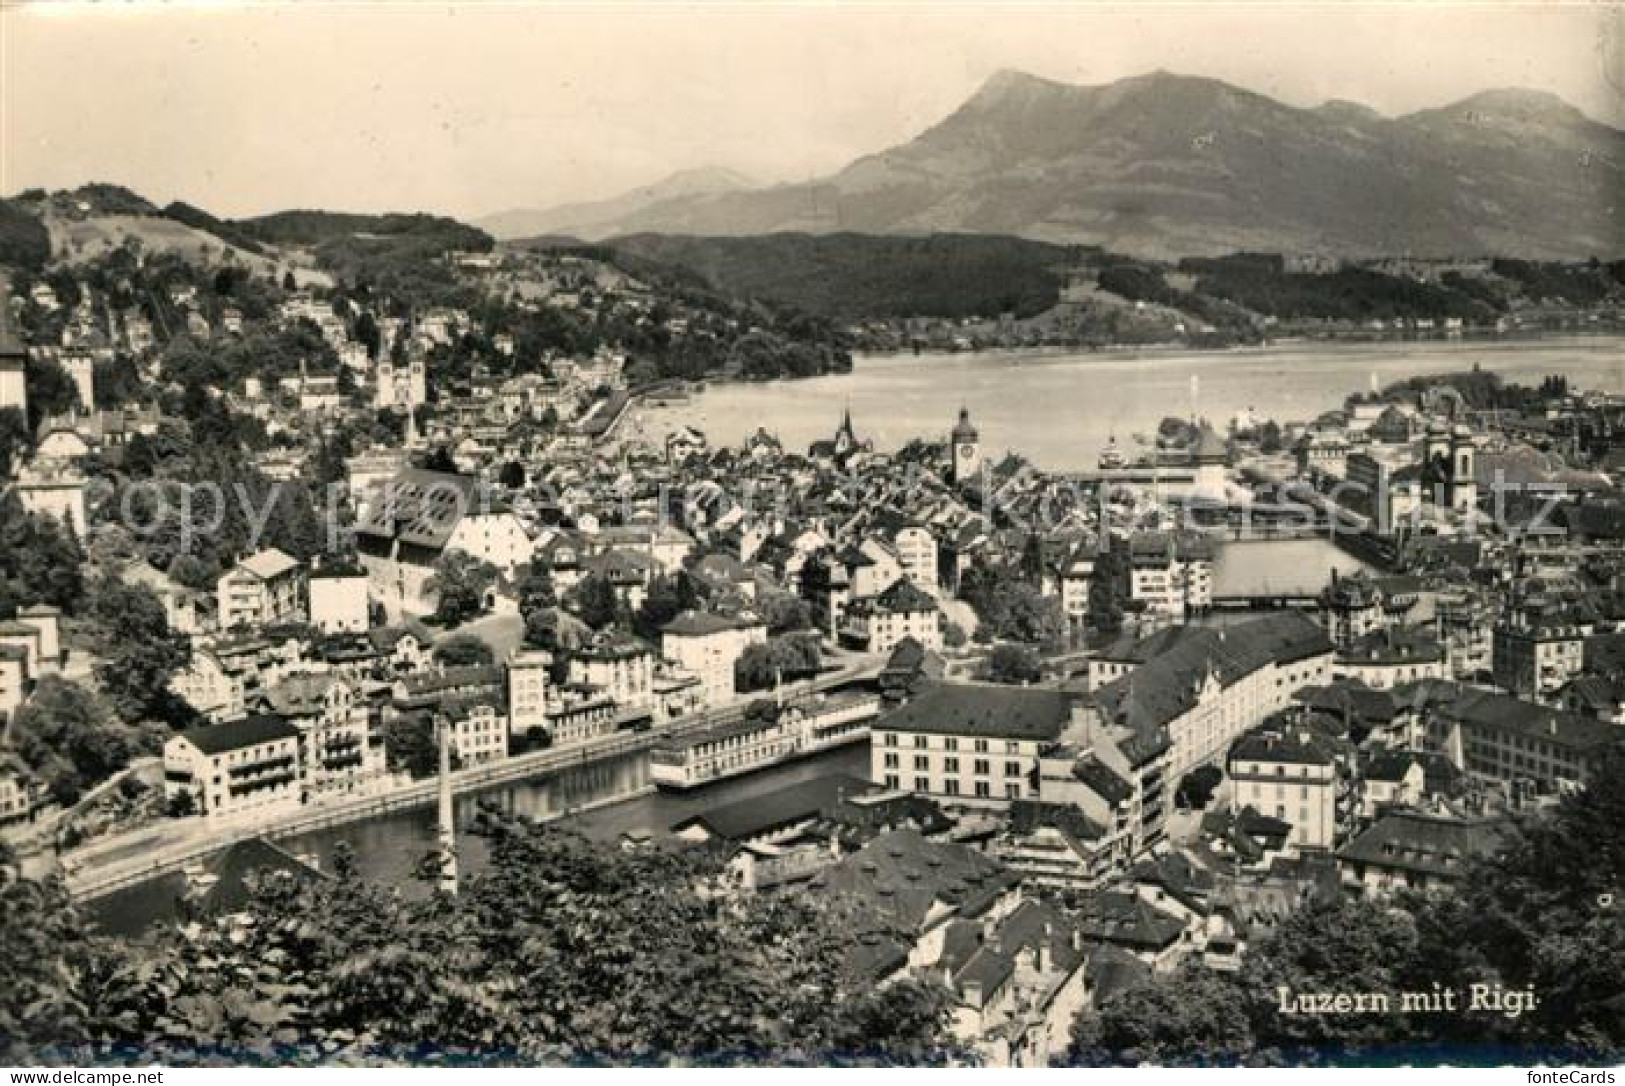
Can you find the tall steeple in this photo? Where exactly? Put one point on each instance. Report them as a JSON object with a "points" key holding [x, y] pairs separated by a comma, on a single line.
{"points": [[846, 439]]}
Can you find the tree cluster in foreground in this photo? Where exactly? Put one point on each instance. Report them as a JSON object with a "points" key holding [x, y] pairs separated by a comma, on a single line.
{"points": [[560, 952]]}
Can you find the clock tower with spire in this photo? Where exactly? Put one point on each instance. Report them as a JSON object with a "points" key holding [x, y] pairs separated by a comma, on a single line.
{"points": [[966, 449]]}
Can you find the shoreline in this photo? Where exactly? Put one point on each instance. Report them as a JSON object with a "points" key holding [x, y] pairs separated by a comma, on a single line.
{"points": [[1155, 352]]}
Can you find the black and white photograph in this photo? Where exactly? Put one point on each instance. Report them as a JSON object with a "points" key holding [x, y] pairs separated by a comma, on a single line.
{"points": [[814, 535]]}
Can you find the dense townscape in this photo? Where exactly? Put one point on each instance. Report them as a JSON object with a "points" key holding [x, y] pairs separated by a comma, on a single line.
{"points": [[310, 519]]}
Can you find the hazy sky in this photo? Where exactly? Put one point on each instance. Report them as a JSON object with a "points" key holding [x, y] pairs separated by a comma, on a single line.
{"points": [[469, 108]]}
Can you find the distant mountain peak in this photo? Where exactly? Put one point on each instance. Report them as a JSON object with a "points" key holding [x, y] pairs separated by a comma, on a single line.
{"points": [[1166, 164], [1514, 103], [699, 179], [1343, 109]]}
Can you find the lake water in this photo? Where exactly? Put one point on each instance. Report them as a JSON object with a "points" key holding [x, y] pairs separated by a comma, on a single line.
{"points": [[1058, 409]]}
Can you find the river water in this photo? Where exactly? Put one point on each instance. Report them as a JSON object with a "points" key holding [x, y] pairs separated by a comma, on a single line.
{"points": [[388, 848], [1059, 408]]}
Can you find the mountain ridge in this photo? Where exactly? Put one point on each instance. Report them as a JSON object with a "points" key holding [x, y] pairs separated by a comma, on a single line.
{"points": [[1164, 165]]}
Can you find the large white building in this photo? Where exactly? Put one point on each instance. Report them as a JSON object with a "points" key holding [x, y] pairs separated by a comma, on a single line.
{"points": [[1169, 575], [1212, 686], [1292, 774], [339, 601], [901, 611], [968, 742], [341, 743], [237, 768], [527, 671], [709, 645], [623, 668]]}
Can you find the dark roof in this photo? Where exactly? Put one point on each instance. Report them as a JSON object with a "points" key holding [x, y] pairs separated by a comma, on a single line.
{"points": [[1350, 700], [1393, 646], [1426, 844], [1102, 780], [424, 507], [901, 875], [1129, 921], [1474, 707], [702, 623], [1295, 746], [964, 430], [1166, 686], [977, 709], [778, 809], [234, 866], [250, 731], [1112, 970], [1027, 815], [904, 597], [1389, 765]]}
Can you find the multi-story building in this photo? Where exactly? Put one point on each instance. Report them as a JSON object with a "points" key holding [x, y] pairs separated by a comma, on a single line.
{"points": [[1385, 658], [248, 766], [1498, 737], [916, 550], [968, 743], [1293, 774], [1351, 608], [1076, 577], [23, 796], [1415, 850], [1169, 574], [709, 645], [1535, 658], [901, 611], [479, 730], [1209, 688], [420, 516], [622, 667], [341, 742], [15, 679], [1385, 488], [339, 600], [264, 589], [527, 674]]}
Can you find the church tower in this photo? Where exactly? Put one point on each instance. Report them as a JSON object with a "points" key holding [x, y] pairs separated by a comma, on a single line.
{"points": [[967, 449], [846, 439], [1463, 472]]}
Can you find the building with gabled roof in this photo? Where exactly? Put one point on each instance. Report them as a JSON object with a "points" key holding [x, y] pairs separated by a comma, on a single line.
{"points": [[903, 882], [252, 765], [265, 589], [1207, 689], [899, 612], [709, 645], [1415, 850], [417, 517]]}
